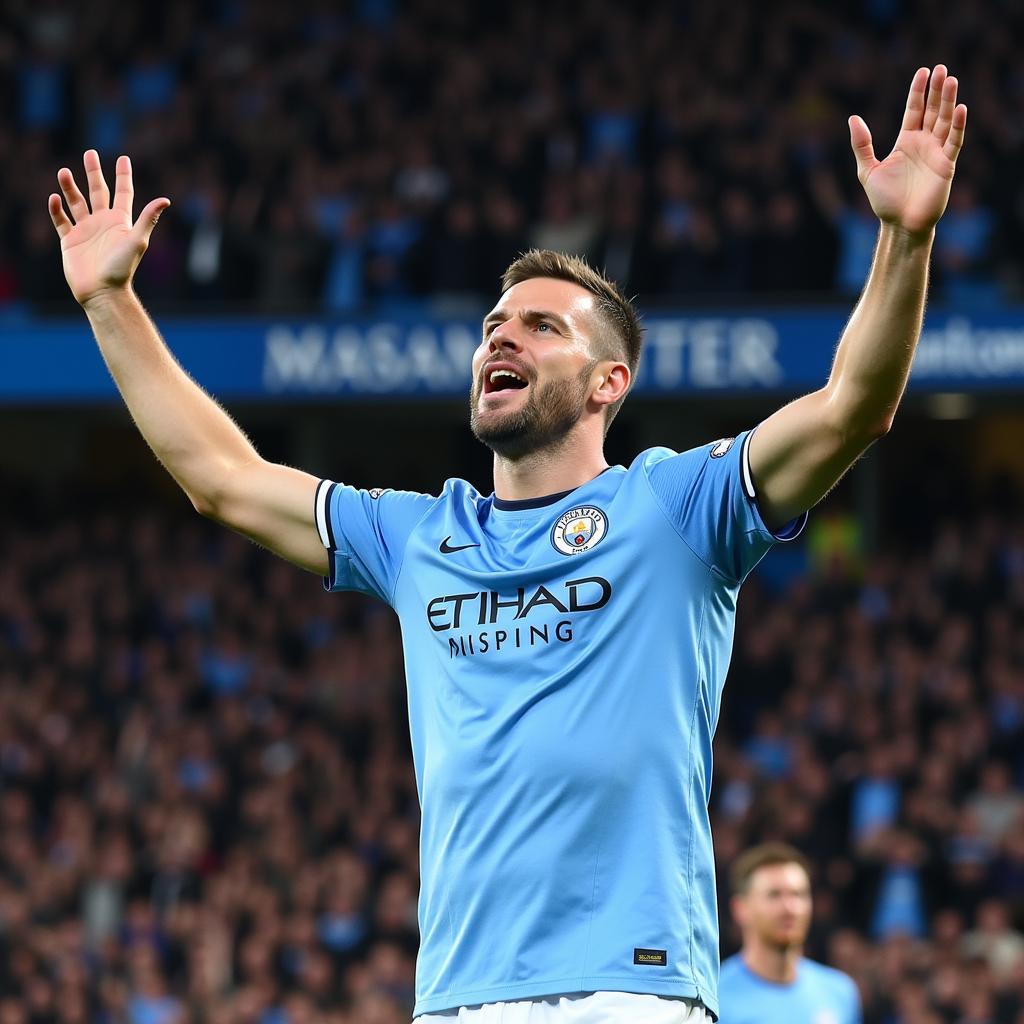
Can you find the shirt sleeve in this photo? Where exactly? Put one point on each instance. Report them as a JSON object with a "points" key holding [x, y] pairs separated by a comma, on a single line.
{"points": [[710, 496], [855, 1015], [365, 534]]}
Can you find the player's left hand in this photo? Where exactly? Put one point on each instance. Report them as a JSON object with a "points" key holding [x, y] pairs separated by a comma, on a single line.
{"points": [[910, 187]]}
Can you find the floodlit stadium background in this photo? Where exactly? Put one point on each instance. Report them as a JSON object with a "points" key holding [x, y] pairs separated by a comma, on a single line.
{"points": [[207, 808]]}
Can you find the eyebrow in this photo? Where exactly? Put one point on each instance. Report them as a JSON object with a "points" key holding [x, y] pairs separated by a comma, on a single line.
{"points": [[500, 315]]}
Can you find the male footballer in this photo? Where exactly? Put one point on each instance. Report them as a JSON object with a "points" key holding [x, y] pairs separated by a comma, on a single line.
{"points": [[770, 981], [567, 636]]}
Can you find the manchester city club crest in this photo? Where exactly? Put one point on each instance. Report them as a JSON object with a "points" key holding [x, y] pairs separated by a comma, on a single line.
{"points": [[579, 530]]}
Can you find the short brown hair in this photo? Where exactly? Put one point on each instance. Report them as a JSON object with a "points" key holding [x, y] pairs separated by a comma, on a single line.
{"points": [[763, 856], [618, 312]]}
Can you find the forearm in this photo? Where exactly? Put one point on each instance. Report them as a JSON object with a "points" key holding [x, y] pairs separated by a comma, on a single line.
{"points": [[188, 431], [802, 450], [875, 353]]}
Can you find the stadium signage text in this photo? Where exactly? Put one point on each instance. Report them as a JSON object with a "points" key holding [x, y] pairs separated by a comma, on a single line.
{"points": [[712, 353], [382, 359], [959, 350], [719, 352]]}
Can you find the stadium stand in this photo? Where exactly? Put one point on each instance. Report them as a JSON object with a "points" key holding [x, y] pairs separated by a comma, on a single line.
{"points": [[384, 152], [208, 811]]}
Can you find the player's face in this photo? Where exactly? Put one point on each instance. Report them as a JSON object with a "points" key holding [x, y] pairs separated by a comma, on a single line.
{"points": [[777, 905], [532, 373]]}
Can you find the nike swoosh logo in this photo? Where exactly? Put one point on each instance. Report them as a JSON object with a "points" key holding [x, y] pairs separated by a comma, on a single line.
{"points": [[447, 549]]}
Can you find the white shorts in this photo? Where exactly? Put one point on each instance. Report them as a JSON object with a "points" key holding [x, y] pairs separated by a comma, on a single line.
{"points": [[582, 1008]]}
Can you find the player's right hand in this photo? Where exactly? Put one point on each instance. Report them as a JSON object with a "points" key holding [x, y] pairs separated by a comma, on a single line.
{"points": [[101, 248]]}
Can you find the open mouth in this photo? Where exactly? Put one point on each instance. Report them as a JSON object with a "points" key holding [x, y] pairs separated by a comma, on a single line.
{"points": [[503, 378]]}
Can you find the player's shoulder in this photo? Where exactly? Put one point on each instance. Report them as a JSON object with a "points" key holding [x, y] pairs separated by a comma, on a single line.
{"points": [[732, 967], [672, 474], [646, 460], [710, 450], [826, 976], [820, 970]]}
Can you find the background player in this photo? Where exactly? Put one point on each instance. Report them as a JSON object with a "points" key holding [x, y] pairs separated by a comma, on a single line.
{"points": [[770, 981], [513, 917]]}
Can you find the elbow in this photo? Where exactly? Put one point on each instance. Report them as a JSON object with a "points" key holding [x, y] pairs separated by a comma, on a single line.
{"points": [[879, 428], [859, 424], [208, 502], [858, 437], [214, 492], [203, 504]]}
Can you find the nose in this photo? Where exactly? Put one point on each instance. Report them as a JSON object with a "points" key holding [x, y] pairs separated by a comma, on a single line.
{"points": [[504, 338], [793, 905]]}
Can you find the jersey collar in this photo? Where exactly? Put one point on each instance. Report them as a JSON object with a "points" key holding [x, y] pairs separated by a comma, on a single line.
{"points": [[509, 505]]}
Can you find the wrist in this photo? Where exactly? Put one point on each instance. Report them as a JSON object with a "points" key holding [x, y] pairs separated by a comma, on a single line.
{"points": [[108, 299], [898, 238]]}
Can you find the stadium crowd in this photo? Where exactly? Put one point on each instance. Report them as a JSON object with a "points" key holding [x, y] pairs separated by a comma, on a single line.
{"points": [[207, 805], [333, 156], [208, 810]]}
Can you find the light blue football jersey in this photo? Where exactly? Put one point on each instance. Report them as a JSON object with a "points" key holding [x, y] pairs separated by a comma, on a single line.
{"points": [[564, 659], [819, 995]]}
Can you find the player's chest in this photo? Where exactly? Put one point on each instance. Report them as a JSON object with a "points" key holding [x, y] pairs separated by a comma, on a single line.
{"points": [[558, 586]]}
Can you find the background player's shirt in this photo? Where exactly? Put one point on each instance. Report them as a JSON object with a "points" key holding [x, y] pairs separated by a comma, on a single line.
{"points": [[819, 995], [564, 661]]}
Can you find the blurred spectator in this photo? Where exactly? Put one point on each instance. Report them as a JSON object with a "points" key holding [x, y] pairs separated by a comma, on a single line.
{"points": [[450, 255], [739, 227], [345, 283], [856, 228], [996, 805], [782, 255], [770, 749], [875, 802], [899, 907], [995, 941], [963, 249], [390, 237], [564, 224], [290, 261]]}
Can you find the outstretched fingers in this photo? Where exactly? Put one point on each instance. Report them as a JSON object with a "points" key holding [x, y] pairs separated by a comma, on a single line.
{"points": [[124, 189], [945, 118], [914, 114], [60, 219], [99, 194], [955, 138], [75, 200], [936, 93]]}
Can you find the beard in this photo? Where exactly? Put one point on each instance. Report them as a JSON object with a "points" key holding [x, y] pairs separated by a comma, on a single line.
{"points": [[782, 940], [543, 422]]}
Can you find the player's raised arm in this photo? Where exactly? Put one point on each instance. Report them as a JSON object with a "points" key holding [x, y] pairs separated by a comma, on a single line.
{"points": [[801, 451], [196, 440]]}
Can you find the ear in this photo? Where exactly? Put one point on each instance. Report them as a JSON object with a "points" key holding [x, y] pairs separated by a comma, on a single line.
{"points": [[738, 906], [612, 382]]}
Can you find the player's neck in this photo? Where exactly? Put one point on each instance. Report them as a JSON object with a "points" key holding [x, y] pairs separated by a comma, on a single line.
{"points": [[548, 471], [773, 963]]}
